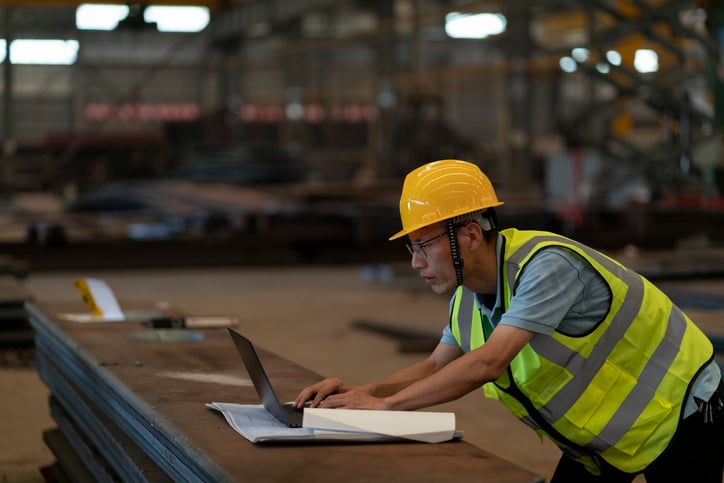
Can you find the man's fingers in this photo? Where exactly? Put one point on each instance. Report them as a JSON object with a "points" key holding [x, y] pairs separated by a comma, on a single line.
{"points": [[304, 396], [319, 392]]}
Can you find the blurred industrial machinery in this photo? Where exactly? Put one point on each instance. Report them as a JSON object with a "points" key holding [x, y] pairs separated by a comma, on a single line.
{"points": [[650, 75], [572, 108]]}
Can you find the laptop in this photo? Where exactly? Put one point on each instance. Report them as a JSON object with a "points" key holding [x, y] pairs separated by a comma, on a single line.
{"points": [[286, 413]]}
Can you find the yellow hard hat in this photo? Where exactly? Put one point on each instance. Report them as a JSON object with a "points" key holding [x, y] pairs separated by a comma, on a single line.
{"points": [[440, 190]]}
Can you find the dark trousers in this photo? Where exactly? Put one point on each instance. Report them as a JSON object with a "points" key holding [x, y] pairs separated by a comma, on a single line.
{"points": [[696, 454]]}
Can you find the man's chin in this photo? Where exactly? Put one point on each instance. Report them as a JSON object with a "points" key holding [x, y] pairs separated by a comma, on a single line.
{"points": [[439, 288]]}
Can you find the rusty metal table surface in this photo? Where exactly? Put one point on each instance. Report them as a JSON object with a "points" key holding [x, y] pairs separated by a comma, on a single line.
{"points": [[120, 385]]}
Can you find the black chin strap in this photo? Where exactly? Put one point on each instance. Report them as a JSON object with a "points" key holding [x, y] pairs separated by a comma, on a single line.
{"points": [[457, 261]]}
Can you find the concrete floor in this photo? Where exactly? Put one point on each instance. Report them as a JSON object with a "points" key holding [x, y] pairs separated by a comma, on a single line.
{"points": [[304, 314]]}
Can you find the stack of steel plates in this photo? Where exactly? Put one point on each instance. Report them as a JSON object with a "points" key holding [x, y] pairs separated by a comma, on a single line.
{"points": [[16, 336], [104, 432]]}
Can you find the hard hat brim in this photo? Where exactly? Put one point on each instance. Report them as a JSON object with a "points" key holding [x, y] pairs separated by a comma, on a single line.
{"points": [[407, 231]]}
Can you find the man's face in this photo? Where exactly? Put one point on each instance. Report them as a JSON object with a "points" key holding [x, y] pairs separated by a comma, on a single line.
{"points": [[430, 249]]}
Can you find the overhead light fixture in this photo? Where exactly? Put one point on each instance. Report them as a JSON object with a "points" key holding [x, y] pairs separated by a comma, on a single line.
{"points": [[613, 57], [177, 19], [91, 16], [41, 51], [580, 54], [568, 65], [474, 25], [603, 67], [646, 61]]}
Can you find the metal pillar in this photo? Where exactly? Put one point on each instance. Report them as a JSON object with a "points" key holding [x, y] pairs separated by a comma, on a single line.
{"points": [[9, 143], [519, 172]]}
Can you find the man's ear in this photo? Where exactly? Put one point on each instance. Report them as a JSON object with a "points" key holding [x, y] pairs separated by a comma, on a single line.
{"points": [[475, 235]]}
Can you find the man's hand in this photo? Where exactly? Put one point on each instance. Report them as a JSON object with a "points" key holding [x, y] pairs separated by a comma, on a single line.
{"points": [[353, 399], [320, 391]]}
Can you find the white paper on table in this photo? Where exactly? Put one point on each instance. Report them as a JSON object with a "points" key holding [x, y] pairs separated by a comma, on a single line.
{"points": [[257, 425], [84, 317], [104, 299], [425, 426], [99, 298]]}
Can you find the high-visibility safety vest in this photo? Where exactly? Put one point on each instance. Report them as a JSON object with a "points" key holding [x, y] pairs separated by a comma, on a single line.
{"points": [[616, 392]]}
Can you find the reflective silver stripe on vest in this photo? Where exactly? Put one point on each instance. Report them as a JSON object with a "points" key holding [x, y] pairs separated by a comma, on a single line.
{"points": [[584, 369], [641, 394], [559, 404], [465, 318], [557, 353]]}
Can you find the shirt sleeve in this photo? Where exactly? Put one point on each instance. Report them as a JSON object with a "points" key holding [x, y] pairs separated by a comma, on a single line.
{"points": [[448, 337], [558, 290]]}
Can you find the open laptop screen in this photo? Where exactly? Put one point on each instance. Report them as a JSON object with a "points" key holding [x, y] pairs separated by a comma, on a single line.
{"points": [[285, 413]]}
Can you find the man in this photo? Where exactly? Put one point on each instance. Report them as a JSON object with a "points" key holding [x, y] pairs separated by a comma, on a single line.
{"points": [[583, 350]]}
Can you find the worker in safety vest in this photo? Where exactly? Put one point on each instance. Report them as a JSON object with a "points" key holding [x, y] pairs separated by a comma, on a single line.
{"points": [[582, 349]]}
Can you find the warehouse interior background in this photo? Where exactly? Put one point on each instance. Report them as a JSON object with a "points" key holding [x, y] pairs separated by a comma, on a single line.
{"points": [[592, 118], [275, 133]]}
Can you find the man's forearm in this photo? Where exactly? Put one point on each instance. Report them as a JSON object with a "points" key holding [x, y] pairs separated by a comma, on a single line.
{"points": [[399, 380], [452, 382]]}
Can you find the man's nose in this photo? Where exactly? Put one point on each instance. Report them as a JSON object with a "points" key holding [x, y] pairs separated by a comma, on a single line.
{"points": [[418, 261]]}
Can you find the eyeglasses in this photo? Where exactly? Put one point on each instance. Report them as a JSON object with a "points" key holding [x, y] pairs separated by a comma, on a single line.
{"points": [[420, 247]]}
